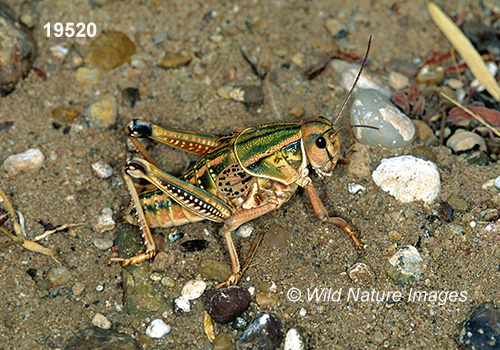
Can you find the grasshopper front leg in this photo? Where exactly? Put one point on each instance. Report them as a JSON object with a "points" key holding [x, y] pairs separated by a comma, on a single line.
{"points": [[322, 214]]}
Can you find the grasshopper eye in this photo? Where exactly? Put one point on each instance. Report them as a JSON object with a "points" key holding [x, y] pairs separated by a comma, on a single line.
{"points": [[321, 142]]}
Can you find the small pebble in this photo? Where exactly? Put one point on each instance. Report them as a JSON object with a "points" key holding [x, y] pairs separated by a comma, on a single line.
{"points": [[193, 289], [102, 169], [162, 261], [102, 223], [245, 230], [102, 243], [405, 266], [480, 158], [182, 305], [463, 140], [264, 332], [408, 179], [59, 276], [266, 300], [168, 282], [455, 83], [398, 81], [225, 304], [394, 235], [359, 161], [334, 27], [64, 114], [362, 274], [172, 60], [224, 91], [430, 74], [425, 152], [102, 111], [355, 188], [101, 321], [99, 288], [214, 270], [109, 50], [175, 236], [424, 132], [349, 71], [78, 289], [222, 342], [458, 203], [497, 183], [157, 329], [481, 331], [97, 338], [31, 160], [371, 108], [297, 111], [298, 59], [277, 237], [295, 339], [89, 76], [248, 94], [302, 312], [58, 51]]}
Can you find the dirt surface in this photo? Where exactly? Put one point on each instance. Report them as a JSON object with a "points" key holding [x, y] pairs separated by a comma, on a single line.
{"points": [[272, 33]]}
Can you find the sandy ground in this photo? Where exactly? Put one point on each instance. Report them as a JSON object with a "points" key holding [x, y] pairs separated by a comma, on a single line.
{"points": [[66, 190]]}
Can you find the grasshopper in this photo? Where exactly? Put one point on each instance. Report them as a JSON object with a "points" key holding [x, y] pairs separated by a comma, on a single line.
{"points": [[237, 178]]}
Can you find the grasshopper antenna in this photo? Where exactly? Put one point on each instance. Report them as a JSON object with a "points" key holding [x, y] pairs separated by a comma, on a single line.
{"points": [[355, 81]]}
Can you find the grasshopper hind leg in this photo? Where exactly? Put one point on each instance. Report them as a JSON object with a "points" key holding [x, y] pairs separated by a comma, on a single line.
{"points": [[146, 232]]}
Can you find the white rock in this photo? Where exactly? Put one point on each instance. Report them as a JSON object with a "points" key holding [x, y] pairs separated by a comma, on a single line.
{"points": [[101, 321], [408, 178], [102, 169], [102, 223], [245, 230], [294, 340], [193, 289], [182, 304], [371, 108], [497, 183], [157, 329], [463, 140], [31, 160], [355, 188]]}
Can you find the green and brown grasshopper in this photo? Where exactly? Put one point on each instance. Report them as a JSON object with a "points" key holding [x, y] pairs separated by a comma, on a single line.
{"points": [[238, 178]]}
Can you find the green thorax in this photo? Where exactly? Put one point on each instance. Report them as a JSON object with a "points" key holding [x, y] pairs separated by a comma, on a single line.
{"points": [[272, 151]]}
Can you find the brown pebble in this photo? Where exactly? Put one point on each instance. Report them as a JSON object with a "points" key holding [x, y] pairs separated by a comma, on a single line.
{"points": [[277, 237], [424, 132], [297, 111], [172, 60], [266, 299], [458, 203], [64, 114], [162, 261], [222, 342], [362, 274], [110, 50], [359, 161], [446, 211], [425, 152], [214, 270], [225, 304]]}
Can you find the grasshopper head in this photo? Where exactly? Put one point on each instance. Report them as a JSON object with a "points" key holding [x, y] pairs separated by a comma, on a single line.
{"points": [[322, 144]]}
